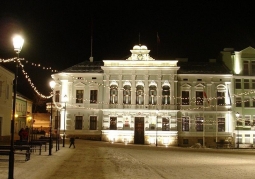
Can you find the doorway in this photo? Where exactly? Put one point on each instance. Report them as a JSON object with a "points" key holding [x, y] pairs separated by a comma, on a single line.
{"points": [[139, 130]]}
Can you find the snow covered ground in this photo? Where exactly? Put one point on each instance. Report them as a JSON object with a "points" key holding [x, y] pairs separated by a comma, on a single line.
{"points": [[95, 159]]}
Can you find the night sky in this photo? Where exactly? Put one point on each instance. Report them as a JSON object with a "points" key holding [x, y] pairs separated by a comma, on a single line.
{"points": [[58, 33]]}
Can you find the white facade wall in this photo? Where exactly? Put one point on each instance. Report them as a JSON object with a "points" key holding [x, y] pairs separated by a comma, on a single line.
{"points": [[6, 80]]}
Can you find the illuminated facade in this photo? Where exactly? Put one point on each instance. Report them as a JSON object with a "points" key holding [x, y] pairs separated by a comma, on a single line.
{"points": [[6, 79], [242, 63], [141, 100]]}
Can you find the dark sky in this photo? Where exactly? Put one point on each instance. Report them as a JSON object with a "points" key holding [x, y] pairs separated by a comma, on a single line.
{"points": [[58, 33]]}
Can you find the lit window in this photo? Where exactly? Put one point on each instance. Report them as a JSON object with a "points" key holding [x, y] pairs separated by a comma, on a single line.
{"points": [[221, 124], [139, 94], [113, 94], [166, 95], [93, 96], [199, 98], [79, 96], [127, 94], [185, 124], [152, 94], [113, 123], [199, 123], [185, 97]]}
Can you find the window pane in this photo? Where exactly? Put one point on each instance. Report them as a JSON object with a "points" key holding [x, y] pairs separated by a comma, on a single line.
{"points": [[221, 98], [185, 97], [79, 96], [238, 83], [221, 124], [166, 95], [78, 122], [93, 123], [199, 124], [93, 96], [246, 102], [165, 124], [185, 124], [245, 68], [114, 94], [246, 84], [199, 97], [113, 123], [152, 95], [127, 94], [139, 94], [238, 102]]}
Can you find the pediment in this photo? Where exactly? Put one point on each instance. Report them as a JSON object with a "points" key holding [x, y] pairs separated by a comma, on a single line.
{"points": [[79, 84], [248, 52], [186, 85]]}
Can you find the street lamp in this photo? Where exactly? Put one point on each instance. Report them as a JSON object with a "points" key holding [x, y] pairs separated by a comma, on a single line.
{"points": [[157, 129], [18, 42], [52, 86], [64, 136], [237, 118]]}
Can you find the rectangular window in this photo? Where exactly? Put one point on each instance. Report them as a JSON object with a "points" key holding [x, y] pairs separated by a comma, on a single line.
{"points": [[220, 98], [199, 123], [113, 123], [185, 141], [185, 124], [199, 98], [238, 84], [246, 84], [165, 124], [57, 94], [185, 97], [93, 123], [238, 102], [252, 68], [221, 124], [247, 121], [78, 122], [246, 102], [93, 96], [245, 68], [79, 96], [253, 102], [1, 88], [253, 84]]}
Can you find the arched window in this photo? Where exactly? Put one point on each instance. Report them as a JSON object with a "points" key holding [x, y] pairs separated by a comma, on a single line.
{"points": [[114, 94], [139, 94], [152, 94], [127, 94], [166, 94], [221, 95]]}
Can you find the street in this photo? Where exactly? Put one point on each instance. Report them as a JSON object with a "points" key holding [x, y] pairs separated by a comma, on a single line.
{"points": [[95, 159]]}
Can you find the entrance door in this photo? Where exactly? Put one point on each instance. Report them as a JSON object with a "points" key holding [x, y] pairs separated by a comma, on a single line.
{"points": [[139, 130]]}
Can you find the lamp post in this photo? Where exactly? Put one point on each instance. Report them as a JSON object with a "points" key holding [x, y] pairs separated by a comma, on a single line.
{"points": [[18, 42], [237, 118], [64, 135], [52, 85], [157, 129]]}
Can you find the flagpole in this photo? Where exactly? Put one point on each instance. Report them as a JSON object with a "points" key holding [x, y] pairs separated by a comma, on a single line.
{"points": [[216, 121], [204, 120]]}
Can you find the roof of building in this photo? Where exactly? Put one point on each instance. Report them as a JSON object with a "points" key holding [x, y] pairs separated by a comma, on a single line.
{"points": [[86, 67], [203, 68]]}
